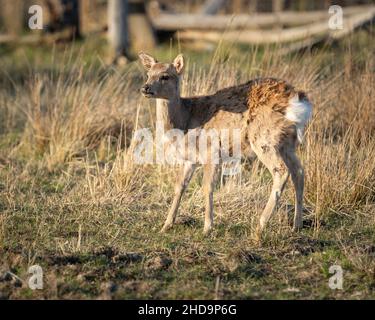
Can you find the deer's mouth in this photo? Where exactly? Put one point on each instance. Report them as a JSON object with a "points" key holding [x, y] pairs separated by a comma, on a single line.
{"points": [[147, 91], [148, 94]]}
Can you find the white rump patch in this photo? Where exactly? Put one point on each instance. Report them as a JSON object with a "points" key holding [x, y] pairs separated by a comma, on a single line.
{"points": [[299, 112]]}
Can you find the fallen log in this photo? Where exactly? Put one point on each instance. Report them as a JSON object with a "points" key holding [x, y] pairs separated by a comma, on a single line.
{"points": [[173, 22], [329, 39], [284, 35]]}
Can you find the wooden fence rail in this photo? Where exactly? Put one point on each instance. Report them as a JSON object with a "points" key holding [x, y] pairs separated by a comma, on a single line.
{"points": [[283, 36], [173, 22]]}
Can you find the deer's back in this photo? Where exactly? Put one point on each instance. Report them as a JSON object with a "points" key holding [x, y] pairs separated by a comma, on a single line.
{"points": [[257, 107], [249, 100]]}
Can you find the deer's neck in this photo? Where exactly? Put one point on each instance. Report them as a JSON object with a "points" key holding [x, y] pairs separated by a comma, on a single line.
{"points": [[172, 113]]}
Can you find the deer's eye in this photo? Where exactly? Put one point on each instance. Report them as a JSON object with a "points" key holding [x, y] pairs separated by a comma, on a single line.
{"points": [[164, 78]]}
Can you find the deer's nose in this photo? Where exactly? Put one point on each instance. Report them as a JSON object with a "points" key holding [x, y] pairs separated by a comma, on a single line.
{"points": [[146, 89]]}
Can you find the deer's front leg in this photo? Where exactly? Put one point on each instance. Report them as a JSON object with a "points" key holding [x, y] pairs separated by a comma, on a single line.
{"points": [[183, 180], [208, 188]]}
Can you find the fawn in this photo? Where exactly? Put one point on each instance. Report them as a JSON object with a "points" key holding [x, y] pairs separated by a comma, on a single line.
{"points": [[270, 113]]}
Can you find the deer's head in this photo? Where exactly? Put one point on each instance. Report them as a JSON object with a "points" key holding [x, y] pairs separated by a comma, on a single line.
{"points": [[163, 79]]}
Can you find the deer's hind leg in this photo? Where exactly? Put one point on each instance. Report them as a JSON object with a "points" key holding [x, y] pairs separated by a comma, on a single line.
{"points": [[297, 174], [273, 160], [209, 172], [181, 184]]}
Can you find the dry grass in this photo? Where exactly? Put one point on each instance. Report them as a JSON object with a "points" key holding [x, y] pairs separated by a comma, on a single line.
{"points": [[73, 201]]}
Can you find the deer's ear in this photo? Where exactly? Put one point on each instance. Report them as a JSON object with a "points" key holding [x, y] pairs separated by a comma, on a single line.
{"points": [[179, 64], [147, 60]]}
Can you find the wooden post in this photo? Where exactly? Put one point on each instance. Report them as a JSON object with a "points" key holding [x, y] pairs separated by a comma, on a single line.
{"points": [[212, 6], [141, 34], [277, 8], [85, 15], [303, 5], [118, 35], [253, 6], [237, 6], [13, 16]]}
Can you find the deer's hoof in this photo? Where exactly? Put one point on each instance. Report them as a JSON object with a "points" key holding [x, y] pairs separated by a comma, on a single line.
{"points": [[166, 228], [297, 226]]}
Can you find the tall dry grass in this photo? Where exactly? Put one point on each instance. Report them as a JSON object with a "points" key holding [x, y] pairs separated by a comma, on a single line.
{"points": [[74, 114], [85, 118]]}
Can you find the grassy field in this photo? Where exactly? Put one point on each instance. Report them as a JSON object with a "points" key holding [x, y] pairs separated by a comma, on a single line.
{"points": [[73, 201]]}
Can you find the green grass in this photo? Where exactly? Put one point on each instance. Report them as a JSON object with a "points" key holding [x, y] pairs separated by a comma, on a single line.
{"points": [[123, 254], [92, 223]]}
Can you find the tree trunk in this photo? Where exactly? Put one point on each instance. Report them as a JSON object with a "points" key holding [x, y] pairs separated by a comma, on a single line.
{"points": [[118, 34], [63, 18], [70, 18]]}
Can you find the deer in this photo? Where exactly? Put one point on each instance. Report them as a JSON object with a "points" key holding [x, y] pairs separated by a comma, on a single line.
{"points": [[271, 114]]}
